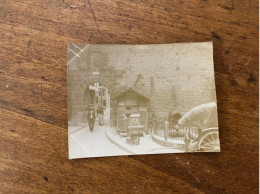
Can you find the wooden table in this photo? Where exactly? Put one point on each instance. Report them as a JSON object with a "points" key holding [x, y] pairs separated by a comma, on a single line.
{"points": [[33, 118]]}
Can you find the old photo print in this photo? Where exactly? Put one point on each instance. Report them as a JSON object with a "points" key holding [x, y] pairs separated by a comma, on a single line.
{"points": [[141, 99]]}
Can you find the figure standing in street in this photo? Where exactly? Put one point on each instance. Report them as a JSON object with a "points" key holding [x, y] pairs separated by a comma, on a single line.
{"points": [[100, 113], [91, 119]]}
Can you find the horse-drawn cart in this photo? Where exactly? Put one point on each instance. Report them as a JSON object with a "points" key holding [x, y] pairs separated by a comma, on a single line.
{"points": [[204, 118]]}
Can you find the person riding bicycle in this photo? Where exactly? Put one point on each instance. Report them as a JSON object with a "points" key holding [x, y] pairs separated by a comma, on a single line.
{"points": [[100, 113], [100, 110]]}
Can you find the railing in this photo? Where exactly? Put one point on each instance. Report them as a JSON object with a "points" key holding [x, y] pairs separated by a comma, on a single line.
{"points": [[173, 132]]}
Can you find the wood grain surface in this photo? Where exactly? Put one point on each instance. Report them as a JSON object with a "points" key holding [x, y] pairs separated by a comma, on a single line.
{"points": [[33, 112]]}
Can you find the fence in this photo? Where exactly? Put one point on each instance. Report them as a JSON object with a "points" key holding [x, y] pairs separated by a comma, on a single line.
{"points": [[173, 132]]}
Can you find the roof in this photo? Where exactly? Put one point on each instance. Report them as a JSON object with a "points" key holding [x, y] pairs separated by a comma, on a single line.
{"points": [[132, 90]]}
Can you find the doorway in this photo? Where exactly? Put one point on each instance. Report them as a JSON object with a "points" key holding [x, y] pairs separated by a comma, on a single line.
{"points": [[97, 96]]}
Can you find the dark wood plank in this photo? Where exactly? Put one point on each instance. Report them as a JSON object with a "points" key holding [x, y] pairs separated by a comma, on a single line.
{"points": [[33, 118]]}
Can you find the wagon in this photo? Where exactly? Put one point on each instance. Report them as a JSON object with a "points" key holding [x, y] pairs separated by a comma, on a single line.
{"points": [[204, 118]]}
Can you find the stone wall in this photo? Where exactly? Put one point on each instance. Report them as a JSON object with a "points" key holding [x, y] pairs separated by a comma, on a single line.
{"points": [[176, 77]]}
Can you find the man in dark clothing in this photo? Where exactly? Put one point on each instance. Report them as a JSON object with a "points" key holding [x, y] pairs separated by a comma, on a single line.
{"points": [[91, 119]]}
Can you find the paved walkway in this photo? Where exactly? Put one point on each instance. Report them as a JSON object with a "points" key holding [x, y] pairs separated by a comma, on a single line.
{"points": [[146, 144]]}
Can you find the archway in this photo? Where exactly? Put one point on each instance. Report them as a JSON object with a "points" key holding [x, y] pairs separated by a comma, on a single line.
{"points": [[97, 96], [82, 96]]}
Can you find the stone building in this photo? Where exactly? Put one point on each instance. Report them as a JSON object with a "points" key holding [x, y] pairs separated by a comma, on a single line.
{"points": [[175, 77]]}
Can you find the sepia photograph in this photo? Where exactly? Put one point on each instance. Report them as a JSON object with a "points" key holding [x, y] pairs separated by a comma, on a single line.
{"points": [[141, 99], [127, 96]]}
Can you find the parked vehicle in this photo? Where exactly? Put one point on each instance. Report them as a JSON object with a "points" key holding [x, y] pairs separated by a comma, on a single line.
{"points": [[203, 117]]}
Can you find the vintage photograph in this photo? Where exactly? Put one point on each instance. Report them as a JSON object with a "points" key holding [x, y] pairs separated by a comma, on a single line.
{"points": [[141, 99]]}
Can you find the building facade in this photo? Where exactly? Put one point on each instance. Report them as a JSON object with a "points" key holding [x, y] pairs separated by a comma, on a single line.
{"points": [[170, 76]]}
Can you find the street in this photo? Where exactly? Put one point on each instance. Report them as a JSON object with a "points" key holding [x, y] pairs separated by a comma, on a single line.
{"points": [[83, 143]]}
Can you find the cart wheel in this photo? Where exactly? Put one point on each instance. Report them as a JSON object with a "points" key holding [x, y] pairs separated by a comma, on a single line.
{"points": [[209, 141]]}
